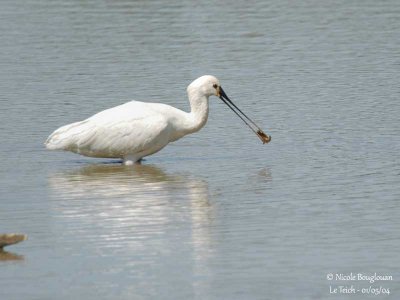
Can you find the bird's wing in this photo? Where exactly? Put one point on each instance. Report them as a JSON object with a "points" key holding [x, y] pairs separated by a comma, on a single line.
{"points": [[129, 128]]}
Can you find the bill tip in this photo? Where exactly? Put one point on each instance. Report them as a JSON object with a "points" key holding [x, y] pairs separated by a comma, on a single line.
{"points": [[264, 137]]}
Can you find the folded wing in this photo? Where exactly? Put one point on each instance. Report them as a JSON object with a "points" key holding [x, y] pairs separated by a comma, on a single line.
{"points": [[130, 128]]}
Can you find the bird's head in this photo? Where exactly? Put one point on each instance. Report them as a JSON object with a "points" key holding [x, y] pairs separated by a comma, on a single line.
{"points": [[207, 85]]}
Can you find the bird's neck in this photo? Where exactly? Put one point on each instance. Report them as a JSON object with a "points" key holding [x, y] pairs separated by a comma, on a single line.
{"points": [[198, 110]]}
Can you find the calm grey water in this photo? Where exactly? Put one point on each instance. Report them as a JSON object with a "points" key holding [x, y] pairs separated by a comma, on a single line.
{"points": [[216, 215]]}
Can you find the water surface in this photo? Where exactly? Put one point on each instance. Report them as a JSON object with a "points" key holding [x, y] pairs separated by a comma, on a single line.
{"points": [[216, 215]]}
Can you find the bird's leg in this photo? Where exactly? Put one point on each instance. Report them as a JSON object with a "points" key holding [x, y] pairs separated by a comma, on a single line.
{"points": [[128, 162], [131, 160]]}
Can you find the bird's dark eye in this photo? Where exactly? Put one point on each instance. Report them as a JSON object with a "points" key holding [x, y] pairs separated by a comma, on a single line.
{"points": [[215, 85]]}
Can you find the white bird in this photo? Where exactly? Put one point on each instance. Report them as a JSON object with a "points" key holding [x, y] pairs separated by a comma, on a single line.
{"points": [[136, 129]]}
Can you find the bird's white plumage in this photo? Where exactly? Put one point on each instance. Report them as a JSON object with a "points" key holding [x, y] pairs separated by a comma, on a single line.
{"points": [[135, 129]]}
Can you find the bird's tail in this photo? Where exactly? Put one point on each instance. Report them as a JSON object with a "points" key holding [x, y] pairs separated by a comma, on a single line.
{"points": [[65, 137]]}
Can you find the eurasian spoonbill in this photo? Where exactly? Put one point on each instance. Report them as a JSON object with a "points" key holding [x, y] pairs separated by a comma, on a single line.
{"points": [[136, 129]]}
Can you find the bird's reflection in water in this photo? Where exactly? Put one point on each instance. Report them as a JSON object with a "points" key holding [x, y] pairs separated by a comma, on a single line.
{"points": [[107, 180], [139, 208]]}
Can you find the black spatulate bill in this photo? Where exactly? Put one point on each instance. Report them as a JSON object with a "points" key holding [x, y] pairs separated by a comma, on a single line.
{"points": [[253, 126]]}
